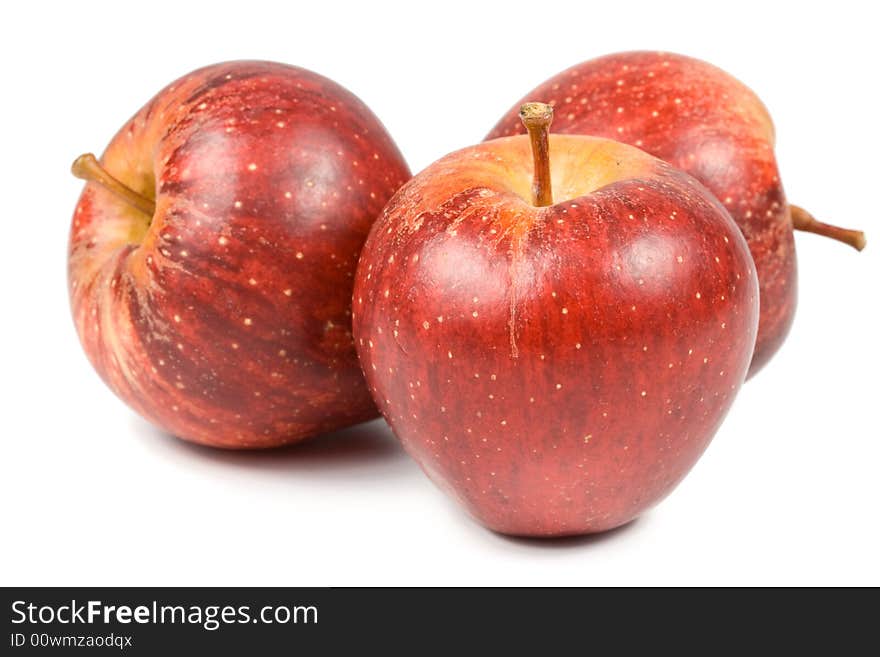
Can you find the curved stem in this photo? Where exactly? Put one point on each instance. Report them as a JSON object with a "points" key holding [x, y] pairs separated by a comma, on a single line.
{"points": [[803, 220], [88, 168], [537, 117]]}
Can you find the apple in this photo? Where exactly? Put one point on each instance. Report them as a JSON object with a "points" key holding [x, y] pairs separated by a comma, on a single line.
{"points": [[554, 327], [213, 250], [710, 125]]}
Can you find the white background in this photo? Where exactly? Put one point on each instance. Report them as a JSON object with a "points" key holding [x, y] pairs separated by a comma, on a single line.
{"points": [[787, 493]]}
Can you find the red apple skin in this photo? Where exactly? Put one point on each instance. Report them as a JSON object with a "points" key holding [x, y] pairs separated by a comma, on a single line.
{"points": [[708, 124], [226, 321], [557, 370]]}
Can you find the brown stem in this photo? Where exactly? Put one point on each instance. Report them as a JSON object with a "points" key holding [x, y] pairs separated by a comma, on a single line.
{"points": [[88, 168], [537, 117], [803, 220]]}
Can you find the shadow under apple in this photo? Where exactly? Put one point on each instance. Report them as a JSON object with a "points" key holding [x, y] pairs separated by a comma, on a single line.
{"points": [[366, 450], [571, 542]]}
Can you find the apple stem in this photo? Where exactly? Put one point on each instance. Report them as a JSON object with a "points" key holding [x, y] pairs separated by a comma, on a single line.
{"points": [[537, 117], [87, 167], [803, 220]]}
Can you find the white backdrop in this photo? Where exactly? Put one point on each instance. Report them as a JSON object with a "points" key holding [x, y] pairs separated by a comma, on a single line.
{"points": [[788, 492]]}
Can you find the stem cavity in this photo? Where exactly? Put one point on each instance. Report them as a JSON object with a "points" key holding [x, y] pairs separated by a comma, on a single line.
{"points": [[87, 167]]}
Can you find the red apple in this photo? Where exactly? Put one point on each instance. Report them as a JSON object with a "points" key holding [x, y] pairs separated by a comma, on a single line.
{"points": [[557, 366], [707, 123], [212, 256]]}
